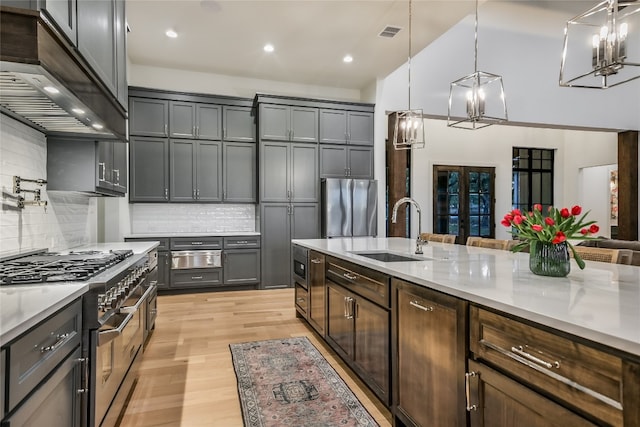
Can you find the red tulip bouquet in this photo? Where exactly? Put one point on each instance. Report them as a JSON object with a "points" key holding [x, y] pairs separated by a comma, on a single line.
{"points": [[560, 225]]}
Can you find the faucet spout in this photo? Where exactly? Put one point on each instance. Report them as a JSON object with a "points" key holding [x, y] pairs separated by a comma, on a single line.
{"points": [[394, 217]]}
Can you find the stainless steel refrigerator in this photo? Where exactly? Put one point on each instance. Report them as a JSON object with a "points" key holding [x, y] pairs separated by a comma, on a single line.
{"points": [[349, 207]]}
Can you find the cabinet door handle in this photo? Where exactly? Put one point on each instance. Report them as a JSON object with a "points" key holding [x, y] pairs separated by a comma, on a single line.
{"points": [[520, 352], [194, 193], [198, 131], [224, 133], [288, 194], [316, 261], [60, 340], [198, 193], [350, 276], [166, 194], [116, 173], [467, 390], [84, 380], [416, 304], [224, 194], [194, 132], [101, 171], [166, 129], [350, 307], [349, 171]]}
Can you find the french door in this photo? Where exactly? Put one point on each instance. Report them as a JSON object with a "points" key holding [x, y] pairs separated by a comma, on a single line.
{"points": [[464, 201]]}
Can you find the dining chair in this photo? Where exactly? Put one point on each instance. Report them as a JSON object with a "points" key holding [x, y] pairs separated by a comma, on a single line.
{"points": [[493, 243], [473, 241], [614, 256], [442, 238]]}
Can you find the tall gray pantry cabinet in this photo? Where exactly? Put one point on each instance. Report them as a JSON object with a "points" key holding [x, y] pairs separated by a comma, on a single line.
{"points": [[191, 148]]}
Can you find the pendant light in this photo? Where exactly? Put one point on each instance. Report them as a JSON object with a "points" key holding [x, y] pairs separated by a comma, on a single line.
{"points": [[408, 131], [602, 46], [476, 100]]}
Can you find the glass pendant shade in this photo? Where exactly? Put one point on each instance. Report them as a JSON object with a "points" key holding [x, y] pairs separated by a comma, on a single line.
{"points": [[477, 101], [408, 131], [602, 46]]}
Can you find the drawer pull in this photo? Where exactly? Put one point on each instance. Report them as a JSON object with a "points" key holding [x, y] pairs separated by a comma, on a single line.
{"points": [[60, 341], [350, 276], [467, 390], [242, 242], [520, 352], [196, 277], [196, 243], [420, 306], [316, 261]]}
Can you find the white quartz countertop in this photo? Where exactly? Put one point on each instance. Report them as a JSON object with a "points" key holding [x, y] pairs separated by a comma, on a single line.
{"points": [[600, 303], [24, 306], [179, 234]]}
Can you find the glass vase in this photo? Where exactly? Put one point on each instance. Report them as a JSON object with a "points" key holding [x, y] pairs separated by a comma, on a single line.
{"points": [[548, 259]]}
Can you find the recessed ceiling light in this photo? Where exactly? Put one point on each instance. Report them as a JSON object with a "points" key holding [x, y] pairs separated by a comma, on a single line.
{"points": [[78, 111], [347, 58], [268, 47], [172, 34], [51, 89], [97, 126]]}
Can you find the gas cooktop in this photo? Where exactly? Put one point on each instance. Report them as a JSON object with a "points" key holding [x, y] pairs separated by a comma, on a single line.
{"points": [[58, 266]]}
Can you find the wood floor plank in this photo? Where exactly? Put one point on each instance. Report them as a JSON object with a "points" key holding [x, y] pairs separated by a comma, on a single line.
{"points": [[186, 377]]}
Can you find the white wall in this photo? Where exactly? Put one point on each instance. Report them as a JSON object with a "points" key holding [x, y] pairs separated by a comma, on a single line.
{"points": [[218, 84], [69, 220], [594, 193]]}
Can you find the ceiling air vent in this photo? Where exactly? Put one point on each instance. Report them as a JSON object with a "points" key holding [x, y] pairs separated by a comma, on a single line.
{"points": [[389, 31]]}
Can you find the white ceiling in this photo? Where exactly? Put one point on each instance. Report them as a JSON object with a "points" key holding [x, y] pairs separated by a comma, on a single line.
{"points": [[312, 36]]}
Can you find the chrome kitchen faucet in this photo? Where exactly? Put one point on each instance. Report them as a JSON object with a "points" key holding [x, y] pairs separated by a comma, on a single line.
{"points": [[419, 241]]}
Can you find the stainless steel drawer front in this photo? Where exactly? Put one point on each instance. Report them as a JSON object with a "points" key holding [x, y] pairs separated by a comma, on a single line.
{"points": [[181, 260]]}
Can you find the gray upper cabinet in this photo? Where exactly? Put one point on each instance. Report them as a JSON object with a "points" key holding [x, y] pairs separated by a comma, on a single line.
{"points": [[360, 128], [195, 171], [239, 166], [288, 123], [81, 164], [238, 124], [333, 127], [345, 161], [122, 85], [149, 160], [195, 121], [96, 38], [346, 127], [148, 117], [289, 172], [62, 13]]}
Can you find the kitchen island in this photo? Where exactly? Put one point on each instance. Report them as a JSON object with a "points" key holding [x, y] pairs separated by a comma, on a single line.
{"points": [[497, 316]]}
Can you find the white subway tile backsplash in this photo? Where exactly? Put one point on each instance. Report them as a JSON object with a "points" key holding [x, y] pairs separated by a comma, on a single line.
{"points": [[149, 218], [69, 220]]}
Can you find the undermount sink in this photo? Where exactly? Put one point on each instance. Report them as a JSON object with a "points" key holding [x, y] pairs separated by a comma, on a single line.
{"points": [[389, 256]]}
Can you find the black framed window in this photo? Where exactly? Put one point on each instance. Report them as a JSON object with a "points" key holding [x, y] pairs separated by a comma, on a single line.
{"points": [[532, 178]]}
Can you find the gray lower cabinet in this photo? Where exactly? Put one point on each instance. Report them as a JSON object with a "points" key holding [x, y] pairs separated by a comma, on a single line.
{"points": [[195, 171], [288, 123], [289, 172], [238, 124], [241, 266], [149, 160], [239, 172], [345, 161], [44, 372], [281, 222], [196, 278], [148, 117], [346, 127], [86, 165], [164, 269]]}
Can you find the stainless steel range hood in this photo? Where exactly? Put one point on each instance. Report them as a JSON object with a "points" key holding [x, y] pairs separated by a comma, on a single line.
{"points": [[45, 83]]}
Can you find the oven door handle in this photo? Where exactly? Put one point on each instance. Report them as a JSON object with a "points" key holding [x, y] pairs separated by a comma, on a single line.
{"points": [[129, 309], [111, 334]]}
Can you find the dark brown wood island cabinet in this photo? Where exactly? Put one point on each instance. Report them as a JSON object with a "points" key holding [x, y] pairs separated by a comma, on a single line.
{"points": [[429, 358], [317, 307], [358, 326]]}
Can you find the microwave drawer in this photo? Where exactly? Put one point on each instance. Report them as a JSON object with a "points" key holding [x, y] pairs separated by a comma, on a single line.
{"points": [[35, 354], [580, 376]]}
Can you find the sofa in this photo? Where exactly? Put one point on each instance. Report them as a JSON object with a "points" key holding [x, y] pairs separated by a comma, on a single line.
{"points": [[603, 242]]}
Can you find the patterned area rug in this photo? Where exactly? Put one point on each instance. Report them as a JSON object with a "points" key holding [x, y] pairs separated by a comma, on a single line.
{"points": [[287, 382]]}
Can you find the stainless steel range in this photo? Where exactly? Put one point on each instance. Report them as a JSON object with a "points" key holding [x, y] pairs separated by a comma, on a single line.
{"points": [[113, 317]]}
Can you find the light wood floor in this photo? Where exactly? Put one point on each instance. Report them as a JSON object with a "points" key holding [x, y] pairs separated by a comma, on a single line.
{"points": [[186, 376]]}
